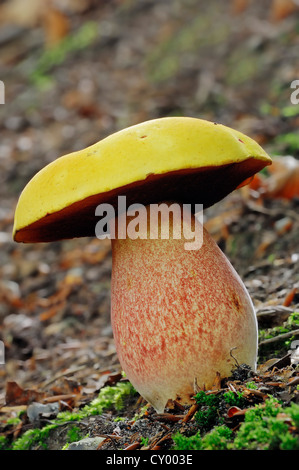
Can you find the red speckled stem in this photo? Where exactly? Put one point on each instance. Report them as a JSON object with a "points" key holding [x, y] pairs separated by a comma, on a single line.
{"points": [[177, 314]]}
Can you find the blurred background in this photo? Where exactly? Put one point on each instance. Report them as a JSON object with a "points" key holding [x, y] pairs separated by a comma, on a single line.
{"points": [[77, 70]]}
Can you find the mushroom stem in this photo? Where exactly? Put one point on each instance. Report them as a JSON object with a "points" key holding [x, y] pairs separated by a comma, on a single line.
{"points": [[177, 313]]}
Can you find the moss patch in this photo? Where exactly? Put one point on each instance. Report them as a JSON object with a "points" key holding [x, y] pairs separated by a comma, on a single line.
{"points": [[109, 398], [267, 426]]}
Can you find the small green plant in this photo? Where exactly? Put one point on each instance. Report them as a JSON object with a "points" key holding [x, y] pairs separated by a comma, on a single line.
{"points": [[144, 441], [50, 58], [251, 385], [118, 419], [140, 413]]}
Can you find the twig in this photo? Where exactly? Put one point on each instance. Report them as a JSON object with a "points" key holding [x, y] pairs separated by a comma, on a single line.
{"points": [[168, 417], [274, 310], [107, 437], [156, 444], [133, 446], [230, 353], [279, 337], [191, 412], [63, 374], [272, 212]]}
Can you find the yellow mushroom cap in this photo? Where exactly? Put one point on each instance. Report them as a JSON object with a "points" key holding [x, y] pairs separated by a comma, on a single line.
{"points": [[182, 159]]}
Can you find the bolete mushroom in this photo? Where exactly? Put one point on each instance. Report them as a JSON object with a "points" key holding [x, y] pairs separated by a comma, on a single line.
{"points": [[176, 313]]}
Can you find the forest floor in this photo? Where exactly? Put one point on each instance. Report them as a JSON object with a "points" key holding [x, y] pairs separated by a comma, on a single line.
{"points": [[119, 63]]}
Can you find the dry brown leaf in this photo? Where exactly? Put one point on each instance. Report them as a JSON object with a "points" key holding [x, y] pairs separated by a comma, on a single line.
{"points": [[56, 26], [59, 296], [51, 312], [283, 181], [282, 9], [238, 6], [16, 395], [36, 12], [218, 225], [290, 297], [27, 16], [92, 253]]}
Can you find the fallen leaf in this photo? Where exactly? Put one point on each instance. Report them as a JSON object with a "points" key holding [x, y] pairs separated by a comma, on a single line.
{"points": [[16, 395], [283, 180], [290, 297], [238, 6], [51, 312], [281, 9], [56, 26], [14, 12], [54, 22]]}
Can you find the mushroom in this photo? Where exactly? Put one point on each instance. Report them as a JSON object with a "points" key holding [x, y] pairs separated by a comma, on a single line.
{"points": [[176, 313]]}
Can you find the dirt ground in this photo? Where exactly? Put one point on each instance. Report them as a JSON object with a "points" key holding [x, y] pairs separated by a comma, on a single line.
{"points": [[74, 74]]}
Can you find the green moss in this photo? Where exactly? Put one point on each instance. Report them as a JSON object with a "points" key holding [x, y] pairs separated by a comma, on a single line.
{"points": [[3, 443], [13, 421], [265, 427], [234, 399], [260, 435], [141, 412], [74, 434], [251, 385], [108, 398], [293, 411], [33, 437], [207, 415], [182, 442], [262, 429], [217, 439], [292, 323]]}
